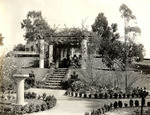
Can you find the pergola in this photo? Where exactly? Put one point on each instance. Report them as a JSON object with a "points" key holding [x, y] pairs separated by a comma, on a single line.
{"points": [[66, 41]]}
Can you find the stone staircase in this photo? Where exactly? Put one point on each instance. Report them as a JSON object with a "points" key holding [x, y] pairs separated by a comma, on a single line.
{"points": [[54, 81]]}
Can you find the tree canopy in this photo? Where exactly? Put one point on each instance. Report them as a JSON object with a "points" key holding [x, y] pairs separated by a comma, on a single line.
{"points": [[35, 26], [112, 50], [19, 47]]}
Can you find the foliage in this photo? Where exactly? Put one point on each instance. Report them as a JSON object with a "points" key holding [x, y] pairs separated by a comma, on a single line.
{"points": [[19, 47], [1, 39], [131, 103], [35, 26], [136, 103]]}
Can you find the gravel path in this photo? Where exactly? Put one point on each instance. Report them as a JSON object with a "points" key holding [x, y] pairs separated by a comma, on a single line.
{"points": [[74, 106]]}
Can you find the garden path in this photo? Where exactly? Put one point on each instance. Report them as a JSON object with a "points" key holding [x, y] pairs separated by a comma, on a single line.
{"points": [[70, 105]]}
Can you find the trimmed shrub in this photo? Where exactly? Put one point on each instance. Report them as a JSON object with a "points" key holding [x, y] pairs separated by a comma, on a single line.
{"points": [[106, 96], [39, 97], [115, 104], [148, 104], [26, 109], [44, 96], [132, 95], [136, 103], [131, 103], [124, 95], [111, 96], [128, 95], [115, 95], [43, 106], [120, 96], [125, 104], [76, 94], [85, 95], [90, 96], [80, 94], [96, 96], [100, 95], [120, 104], [38, 108], [32, 108]]}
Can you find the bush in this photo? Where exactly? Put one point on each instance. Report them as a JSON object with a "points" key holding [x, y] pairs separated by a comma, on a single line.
{"points": [[120, 104], [120, 96], [26, 109], [76, 94], [96, 96], [38, 108], [110, 95], [136, 103], [90, 96], [131, 103], [115, 95], [44, 96], [132, 95], [106, 96], [100, 95], [128, 95], [32, 108], [80, 94], [125, 104], [85, 95], [124, 95], [43, 106], [148, 104], [115, 104]]}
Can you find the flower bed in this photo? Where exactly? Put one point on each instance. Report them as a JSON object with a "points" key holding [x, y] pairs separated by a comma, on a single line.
{"points": [[36, 103], [116, 105], [101, 95]]}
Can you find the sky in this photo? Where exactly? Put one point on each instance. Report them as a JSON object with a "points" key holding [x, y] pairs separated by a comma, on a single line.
{"points": [[70, 13]]}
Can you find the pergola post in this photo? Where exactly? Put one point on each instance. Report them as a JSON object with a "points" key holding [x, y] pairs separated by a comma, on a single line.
{"points": [[41, 53], [50, 54], [20, 88], [84, 52]]}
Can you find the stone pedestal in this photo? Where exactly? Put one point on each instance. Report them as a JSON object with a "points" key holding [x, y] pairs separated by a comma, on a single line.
{"points": [[41, 53], [20, 88]]}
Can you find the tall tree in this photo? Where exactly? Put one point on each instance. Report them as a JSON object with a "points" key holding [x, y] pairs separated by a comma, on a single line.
{"points": [[36, 28], [112, 50], [130, 33]]}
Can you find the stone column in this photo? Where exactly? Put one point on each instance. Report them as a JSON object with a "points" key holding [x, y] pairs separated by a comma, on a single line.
{"points": [[20, 88], [72, 52], [50, 54], [65, 53], [84, 52], [41, 53], [61, 54]]}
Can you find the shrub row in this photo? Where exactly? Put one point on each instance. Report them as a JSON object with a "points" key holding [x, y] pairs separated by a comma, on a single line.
{"points": [[102, 96], [115, 105], [48, 102]]}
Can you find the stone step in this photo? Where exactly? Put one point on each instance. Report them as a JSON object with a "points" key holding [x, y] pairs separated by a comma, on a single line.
{"points": [[52, 84], [57, 74], [55, 79], [50, 81], [51, 87]]}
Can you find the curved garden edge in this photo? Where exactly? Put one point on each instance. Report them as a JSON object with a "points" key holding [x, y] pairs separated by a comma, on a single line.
{"points": [[36, 103]]}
